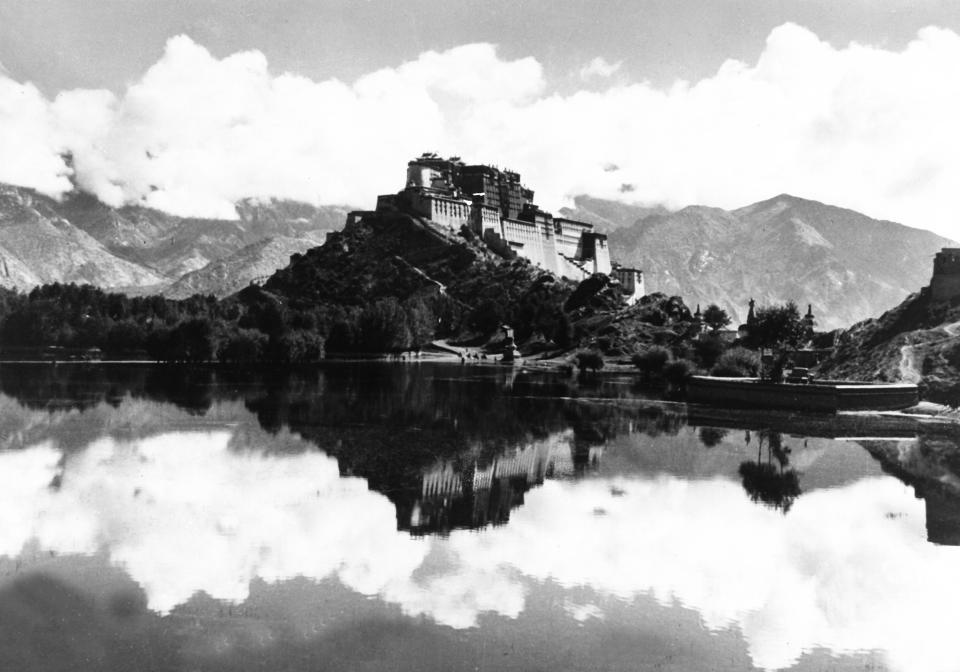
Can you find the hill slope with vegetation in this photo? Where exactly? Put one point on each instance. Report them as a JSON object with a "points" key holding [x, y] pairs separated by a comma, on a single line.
{"points": [[916, 342]]}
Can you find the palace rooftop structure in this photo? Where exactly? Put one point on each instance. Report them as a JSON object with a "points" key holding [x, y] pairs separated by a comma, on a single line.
{"points": [[499, 209]]}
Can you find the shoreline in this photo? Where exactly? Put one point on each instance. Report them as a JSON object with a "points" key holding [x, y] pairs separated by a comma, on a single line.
{"points": [[925, 414]]}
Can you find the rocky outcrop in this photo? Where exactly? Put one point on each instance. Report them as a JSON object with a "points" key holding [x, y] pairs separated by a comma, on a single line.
{"points": [[916, 342]]}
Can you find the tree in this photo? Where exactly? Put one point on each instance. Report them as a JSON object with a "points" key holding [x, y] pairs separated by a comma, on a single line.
{"points": [[778, 327], [297, 346], [715, 317], [383, 327], [421, 322], [245, 345], [192, 341], [708, 350]]}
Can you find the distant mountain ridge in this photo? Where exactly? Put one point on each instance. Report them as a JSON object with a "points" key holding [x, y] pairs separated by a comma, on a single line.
{"points": [[607, 216], [141, 250], [847, 265]]}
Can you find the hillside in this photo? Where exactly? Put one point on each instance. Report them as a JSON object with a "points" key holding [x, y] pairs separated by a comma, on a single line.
{"points": [[917, 342], [846, 264], [232, 273], [138, 249], [38, 245], [402, 257]]}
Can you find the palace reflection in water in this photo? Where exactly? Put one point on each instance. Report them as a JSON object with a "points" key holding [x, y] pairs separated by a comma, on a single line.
{"points": [[354, 516]]}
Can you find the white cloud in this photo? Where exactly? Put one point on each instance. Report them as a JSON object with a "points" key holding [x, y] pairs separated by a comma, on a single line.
{"points": [[29, 145], [599, 67], [858, 126]]}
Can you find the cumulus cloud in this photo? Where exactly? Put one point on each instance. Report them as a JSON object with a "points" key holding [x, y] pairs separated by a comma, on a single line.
{"points": [[29, 145], [599, 67], [859, 126]]}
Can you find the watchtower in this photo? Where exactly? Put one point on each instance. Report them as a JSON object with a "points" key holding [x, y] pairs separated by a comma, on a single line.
{"points": [[945, 283]]}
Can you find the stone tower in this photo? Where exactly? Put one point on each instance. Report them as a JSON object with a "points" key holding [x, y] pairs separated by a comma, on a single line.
{"points": [[945, 283]]}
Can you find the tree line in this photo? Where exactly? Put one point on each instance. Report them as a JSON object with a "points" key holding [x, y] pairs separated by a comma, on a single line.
{"points": [[250, 327]]}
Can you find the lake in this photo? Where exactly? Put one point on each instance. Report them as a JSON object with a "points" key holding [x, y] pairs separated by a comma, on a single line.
{"points": [[432, 516]]}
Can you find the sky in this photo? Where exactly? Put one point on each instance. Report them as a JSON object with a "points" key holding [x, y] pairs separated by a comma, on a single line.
{"points": [[189, 106]]}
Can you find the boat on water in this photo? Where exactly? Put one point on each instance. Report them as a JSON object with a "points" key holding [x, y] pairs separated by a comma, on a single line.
{"points": [[807, 395]]}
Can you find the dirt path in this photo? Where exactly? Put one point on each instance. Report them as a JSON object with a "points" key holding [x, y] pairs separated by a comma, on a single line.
{"points": [[909, 373]]}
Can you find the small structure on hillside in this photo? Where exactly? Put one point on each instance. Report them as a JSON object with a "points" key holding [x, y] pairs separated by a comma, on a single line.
{"points": [[510, 353], [945, 283], [744, 328], [631, 279], [698, 320]]}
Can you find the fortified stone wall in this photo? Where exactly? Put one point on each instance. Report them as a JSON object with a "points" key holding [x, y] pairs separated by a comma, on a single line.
{"points": [[531, 240], [945, 283], [485, 218]]}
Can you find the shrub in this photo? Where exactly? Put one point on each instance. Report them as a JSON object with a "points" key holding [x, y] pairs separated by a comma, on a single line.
{"points": [[652, 360], [589, 360], [737, 363]]}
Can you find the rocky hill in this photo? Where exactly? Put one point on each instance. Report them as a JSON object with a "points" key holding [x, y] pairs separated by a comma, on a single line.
{"points": [[846, 264], [917, 342], [230, 274], [399, 256], [138, 249], [470, 290]]}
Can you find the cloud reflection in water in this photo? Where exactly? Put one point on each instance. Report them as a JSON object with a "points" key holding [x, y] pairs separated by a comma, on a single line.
{"points": [[848, 569]]}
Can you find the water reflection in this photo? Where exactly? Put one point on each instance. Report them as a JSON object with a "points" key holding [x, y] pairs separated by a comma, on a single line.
{"points": [[774, 485], [929, 464], [468, 493], [620, 516], [711, 436]]}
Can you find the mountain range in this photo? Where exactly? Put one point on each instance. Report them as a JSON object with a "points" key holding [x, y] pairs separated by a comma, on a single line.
{"points": [[847, 265], [140, 250]]}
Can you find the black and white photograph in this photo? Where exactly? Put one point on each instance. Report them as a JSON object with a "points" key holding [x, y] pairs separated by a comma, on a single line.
{"points": [[479, 335]]}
